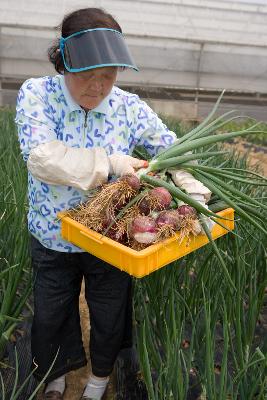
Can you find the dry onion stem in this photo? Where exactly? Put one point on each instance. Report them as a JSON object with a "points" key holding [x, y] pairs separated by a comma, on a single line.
{"points": [[165, 232], [94, 213], [189, 225], [122, 226]]}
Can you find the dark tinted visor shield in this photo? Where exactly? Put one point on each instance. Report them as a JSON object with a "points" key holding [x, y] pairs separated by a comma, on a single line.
{"points": [[95, 48]]}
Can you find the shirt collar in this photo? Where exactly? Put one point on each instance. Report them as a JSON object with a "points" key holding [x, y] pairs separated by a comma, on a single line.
{"points": [[102, 108]]}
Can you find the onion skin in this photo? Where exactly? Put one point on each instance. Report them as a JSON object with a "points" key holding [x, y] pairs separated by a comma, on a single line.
{"points": [[145, 206], [108, 218], [144, 229], [132, 180], [186, 210], [171, 218], [156, 199], [117, 203], [115, 235], [162, 195]]}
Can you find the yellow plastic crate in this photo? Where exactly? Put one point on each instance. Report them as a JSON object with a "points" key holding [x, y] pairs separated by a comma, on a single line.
{"points": [[138, 263]]}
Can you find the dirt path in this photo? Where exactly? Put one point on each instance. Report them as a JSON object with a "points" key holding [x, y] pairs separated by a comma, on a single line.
{"points": [[76, 380], [257, 154]]}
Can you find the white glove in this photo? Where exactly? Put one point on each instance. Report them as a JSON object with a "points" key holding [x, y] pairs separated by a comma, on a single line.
{"points": [[186, 181], [201, 200], [122, 164]]}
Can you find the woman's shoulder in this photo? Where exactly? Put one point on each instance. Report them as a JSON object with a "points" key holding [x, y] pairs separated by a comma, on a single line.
{"points": [[122, 96], [42, 85]]}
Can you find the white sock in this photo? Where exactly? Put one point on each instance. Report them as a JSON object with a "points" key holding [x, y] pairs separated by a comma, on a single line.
{"points": [[57, 385], [95, 388]]}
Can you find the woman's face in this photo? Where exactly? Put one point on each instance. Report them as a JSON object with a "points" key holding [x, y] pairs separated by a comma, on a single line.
{"points": [[89, 88]]}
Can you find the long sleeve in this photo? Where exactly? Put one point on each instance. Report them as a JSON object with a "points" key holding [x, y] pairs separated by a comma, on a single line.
{"points": [[48, 159], [57, 164]]}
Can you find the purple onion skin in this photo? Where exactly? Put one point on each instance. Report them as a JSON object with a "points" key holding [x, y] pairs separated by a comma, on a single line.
{"points": [[115, 235], [144, 206], [134, 183], [118, 204], [132, 180], [143, 224], [169, 217], [107, 220], [162, 196], [186, 210], [144, 229]]}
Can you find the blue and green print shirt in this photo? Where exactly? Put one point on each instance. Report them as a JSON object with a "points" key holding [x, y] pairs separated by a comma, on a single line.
{"points": [[46, 112]]}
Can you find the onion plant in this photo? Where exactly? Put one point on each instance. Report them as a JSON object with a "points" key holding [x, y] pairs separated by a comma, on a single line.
{"points": [[192, 302], [17, 390], [221, 182], [14, 254]]}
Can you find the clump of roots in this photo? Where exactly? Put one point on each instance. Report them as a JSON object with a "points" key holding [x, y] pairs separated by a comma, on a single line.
{"points": [[149, 204], [98, 212], [136, 245], [189, 225], [165, 232]]}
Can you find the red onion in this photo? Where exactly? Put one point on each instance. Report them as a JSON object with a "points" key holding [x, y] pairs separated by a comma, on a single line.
{"points": [[162, 195], [108, 219], [157, 199], [118, 203], [132, 180], [144, 229], [145, 206], [169, 217], [186, 210], [117, 236]]}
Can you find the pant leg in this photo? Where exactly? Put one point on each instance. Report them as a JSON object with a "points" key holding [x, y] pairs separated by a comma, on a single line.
{"points": [[56, 321], [108, 294]]}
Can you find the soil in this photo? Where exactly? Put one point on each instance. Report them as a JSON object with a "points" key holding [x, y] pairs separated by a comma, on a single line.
{"points": [[257, 154]]}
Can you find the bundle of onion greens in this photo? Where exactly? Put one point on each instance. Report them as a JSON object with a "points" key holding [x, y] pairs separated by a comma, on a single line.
{"points": [[144, 209]]}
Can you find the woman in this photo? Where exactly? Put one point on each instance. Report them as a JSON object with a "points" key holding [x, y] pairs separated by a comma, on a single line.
{"points": [[75, 130]]}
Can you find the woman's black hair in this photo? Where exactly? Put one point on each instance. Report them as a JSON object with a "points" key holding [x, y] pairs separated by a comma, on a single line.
{"points": [[85, 18]]}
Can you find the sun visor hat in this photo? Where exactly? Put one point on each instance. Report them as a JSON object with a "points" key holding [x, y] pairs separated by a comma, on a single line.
{"points": [[94, 48]]}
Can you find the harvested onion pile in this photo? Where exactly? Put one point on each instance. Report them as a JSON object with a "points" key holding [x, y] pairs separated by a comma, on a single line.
{"points": [[136, 214]]}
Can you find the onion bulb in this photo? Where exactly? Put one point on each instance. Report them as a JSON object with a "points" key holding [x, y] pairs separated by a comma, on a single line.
{"points": [[155, 200], [144, 229], [187, 211], [169, 217], [132, 180]]}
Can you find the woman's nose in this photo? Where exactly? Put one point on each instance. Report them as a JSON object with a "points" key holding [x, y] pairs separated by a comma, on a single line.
{"points": [[96, 85]]}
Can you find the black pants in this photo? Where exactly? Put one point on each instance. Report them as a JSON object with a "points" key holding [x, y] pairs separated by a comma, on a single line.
{"points": [[56, 322]]}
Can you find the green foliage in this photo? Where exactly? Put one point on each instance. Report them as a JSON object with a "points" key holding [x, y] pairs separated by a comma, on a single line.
{"points": [[192, 301], [14, 254], [189, 321], [180, 128]]}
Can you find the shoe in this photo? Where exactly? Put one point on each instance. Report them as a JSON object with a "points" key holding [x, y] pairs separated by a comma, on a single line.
{"points": [[52, 395]]}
